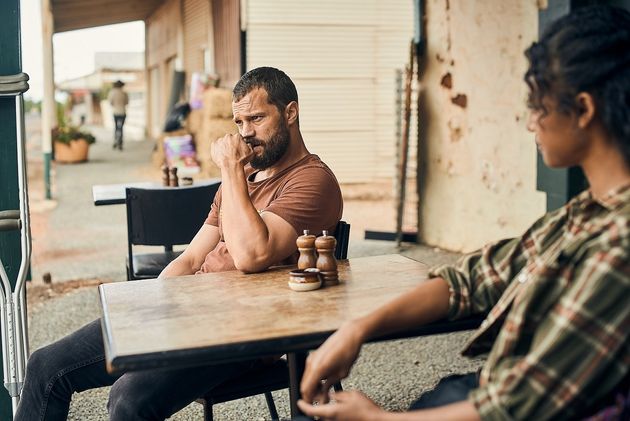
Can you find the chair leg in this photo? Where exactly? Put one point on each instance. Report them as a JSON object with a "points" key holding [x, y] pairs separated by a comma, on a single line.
{"points": [[272, 406], [207, 410], [337, 387]]}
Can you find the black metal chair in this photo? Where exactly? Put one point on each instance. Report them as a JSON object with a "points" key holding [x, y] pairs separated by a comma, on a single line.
{"points": [[269, 378], [165, 217]]}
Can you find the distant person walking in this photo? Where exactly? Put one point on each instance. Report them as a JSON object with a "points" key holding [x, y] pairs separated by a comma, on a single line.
{"points": [[118, 100]]}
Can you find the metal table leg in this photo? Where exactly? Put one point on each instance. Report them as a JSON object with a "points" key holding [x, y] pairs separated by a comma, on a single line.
{"points": [[297, 363]]}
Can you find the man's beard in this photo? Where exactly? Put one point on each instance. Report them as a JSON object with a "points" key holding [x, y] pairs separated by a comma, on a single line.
{"points": [[273, 149]]}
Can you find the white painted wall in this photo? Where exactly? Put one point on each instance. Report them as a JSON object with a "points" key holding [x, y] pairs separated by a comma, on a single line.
{"points": [[479, 161]]}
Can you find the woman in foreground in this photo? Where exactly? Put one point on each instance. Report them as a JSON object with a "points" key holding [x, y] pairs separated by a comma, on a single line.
{"points": [[556, 298]]}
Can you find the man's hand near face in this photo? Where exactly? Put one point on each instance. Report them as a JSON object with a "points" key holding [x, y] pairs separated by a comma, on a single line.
{"points": [[231, 149]]}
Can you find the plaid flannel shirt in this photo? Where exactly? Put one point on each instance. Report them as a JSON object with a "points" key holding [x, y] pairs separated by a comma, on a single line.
{"points": [[557, 301]]}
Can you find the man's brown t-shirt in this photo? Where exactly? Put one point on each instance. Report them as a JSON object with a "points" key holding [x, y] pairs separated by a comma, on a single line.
{"points": [[306, 195]]}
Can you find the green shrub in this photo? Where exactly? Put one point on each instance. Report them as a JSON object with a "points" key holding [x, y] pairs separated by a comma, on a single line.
{"points": [[66, 134]]}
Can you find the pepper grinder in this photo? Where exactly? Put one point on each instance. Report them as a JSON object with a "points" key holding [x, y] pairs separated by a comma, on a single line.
{"points": [[306, 247], [165, 176], [173, 179], [326, 262]]}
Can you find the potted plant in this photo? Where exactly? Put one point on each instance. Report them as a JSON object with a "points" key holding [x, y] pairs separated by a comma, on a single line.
{"points": [[71, 144]]}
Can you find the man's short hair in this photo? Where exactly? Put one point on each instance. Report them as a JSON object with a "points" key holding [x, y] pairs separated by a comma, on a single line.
{"points": [[279, 87]]}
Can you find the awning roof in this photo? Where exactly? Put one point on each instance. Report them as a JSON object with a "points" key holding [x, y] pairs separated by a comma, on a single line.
{"points": [[69, 15]]}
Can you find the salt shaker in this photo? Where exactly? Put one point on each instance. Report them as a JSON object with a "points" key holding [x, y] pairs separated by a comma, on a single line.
{"points": [[306, 247], [165, 176], [173, 179]]}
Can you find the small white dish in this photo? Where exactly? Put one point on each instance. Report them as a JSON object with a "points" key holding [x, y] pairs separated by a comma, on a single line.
{"points": [[304, 280]]}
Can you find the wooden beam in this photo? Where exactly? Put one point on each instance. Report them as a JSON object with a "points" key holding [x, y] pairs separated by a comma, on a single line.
{"points": [[92, 21], [76, 14], [114, 6], [109, 3]]}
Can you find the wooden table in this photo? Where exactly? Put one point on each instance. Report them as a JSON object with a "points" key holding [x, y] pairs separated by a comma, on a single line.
{"points": [[227, 316], [114, 194]]}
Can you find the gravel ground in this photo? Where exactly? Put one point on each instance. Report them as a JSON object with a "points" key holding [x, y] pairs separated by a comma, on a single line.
{"points": [[73, 240]]}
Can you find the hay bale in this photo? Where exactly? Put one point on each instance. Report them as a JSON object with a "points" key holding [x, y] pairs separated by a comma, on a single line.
{"points": [[193, 121], [217, 103], [211, 129], [208, 169]]}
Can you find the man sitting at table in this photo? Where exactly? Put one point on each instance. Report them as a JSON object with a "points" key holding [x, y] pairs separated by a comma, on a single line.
{"points": [[556, 298], [272, 189]]}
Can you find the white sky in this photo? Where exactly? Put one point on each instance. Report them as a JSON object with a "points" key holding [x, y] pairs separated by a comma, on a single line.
{"points": [[74, 50]]}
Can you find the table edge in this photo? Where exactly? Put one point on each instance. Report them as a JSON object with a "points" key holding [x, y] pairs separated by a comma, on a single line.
{"points": [[143, 184], [106, 330], [199, 357]]}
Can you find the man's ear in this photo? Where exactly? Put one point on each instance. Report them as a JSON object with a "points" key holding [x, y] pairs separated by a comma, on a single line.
{"points": [[586, 109], [291, 112]]}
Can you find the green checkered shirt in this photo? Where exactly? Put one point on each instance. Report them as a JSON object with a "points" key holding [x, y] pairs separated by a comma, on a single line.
{"points": [[557, 301]]}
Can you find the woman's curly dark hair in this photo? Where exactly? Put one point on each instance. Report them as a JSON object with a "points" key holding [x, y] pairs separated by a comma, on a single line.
{"points": [[585, 51]]}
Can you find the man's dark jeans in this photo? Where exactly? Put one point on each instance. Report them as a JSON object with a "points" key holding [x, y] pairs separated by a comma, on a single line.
{"points": [[450, 389], [119, 122], [77, 363]]}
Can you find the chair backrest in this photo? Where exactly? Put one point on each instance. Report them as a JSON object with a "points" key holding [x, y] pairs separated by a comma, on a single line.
{"points": [[342, 235], [167, 216]]}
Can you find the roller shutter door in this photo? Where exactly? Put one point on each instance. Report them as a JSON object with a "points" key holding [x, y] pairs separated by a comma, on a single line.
{"points": [[342, 55], [196, 26]]}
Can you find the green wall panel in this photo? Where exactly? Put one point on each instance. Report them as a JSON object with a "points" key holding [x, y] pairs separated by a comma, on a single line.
{"points": [[10, 64]]}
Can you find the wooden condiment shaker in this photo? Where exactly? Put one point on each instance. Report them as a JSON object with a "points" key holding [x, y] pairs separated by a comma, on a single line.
{"points": [[173, 179], [165, 176], [326, 262], [306, 247]]}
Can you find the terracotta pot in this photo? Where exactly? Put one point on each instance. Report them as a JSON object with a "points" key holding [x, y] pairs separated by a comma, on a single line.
{"points": [[73, 152]]}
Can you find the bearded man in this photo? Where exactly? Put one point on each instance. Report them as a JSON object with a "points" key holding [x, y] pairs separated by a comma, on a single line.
{"points": [[272, 188]]}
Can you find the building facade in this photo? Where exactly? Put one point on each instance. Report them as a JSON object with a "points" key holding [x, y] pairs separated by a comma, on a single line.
{"points": [[476, 162]]}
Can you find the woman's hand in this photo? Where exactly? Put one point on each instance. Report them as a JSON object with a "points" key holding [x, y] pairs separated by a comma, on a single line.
{"points": [[331, 362], [347, 406]]}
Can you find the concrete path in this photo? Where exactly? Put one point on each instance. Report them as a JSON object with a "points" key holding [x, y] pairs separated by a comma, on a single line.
{"points": [[77, 239]]}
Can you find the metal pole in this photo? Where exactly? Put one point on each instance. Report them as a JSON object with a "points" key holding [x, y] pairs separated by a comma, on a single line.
{"points": [[402, 169], [398, 112], [19, 293], [48, 100]]}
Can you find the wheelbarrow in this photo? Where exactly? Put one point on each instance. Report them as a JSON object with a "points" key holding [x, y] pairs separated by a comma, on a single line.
{"points": [[13, 322]]}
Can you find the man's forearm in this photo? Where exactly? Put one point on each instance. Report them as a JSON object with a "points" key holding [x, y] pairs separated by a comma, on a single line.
{"points": [[244, 231], [426, 303], [459, 411], [179, 267]]}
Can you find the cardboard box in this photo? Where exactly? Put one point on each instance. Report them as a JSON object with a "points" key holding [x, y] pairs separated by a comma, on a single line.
{"points": [[180, 153]]}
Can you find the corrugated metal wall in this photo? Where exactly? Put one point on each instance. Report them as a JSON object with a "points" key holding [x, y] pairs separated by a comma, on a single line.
{"points": [[196, 15], [161, 43], [342, 55], [227, 41], [162, 33]]}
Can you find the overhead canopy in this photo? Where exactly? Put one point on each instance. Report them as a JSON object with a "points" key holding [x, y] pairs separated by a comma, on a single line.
{"points": [[69, 15]]}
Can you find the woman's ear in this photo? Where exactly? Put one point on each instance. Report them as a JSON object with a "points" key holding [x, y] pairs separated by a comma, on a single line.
{"points": [[586, 109], [291, 112]]}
